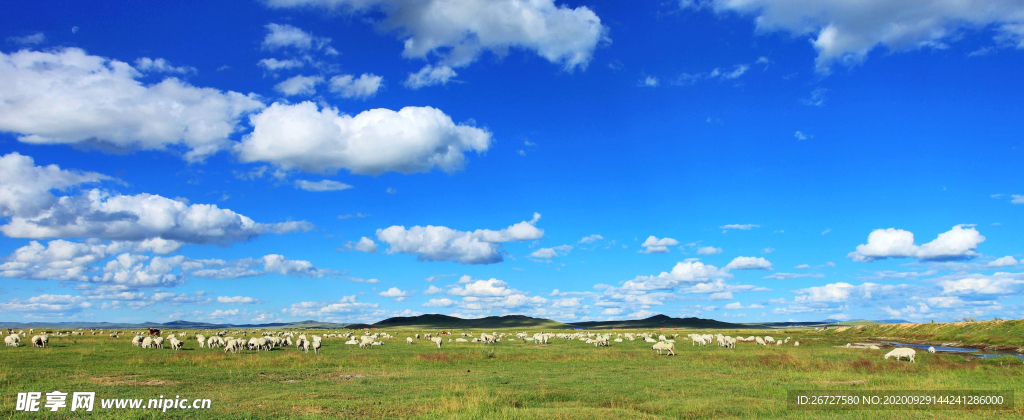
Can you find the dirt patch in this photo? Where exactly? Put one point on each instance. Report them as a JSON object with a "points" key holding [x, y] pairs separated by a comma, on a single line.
{"points": [[350, 377], [435, 357], [128, 380]]}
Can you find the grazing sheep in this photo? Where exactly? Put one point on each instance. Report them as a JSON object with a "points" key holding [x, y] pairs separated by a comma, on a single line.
{"points": [[201, 339], [11, 340], [137, 341], [353, 341], [147, 343], [663, 346], [461, 340], [409, 340], [176, 344], [769, 339], [316, 346], [760, 341], [366, 341], [931, 350], [305, 345], [901, 353], [650, 340], [158, 342], [796, 344], [437, 340], [37, 340]]}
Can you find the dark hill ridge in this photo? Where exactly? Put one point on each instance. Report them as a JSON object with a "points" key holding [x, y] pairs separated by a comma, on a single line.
{"points": [[446, 321], [664, 321]]}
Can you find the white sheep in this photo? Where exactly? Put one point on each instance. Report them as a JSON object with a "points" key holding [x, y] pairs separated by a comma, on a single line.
{"points": [[769, 339], [176, 344], [37, 340], [409, 340], [437, 340], [461, 340], [137, 341], [760, 341], [147, 343], [201, 339], [901, 353], [931, 350], [796, 344], [316, 346], [12, 340], [664, 346], [158, 342]]}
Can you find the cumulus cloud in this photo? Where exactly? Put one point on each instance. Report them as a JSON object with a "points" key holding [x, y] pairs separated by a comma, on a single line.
{"points": [[299, 85], [957, 243], [653, 245], [549, 253], [845, 32], [682, 273], [33, 39], [363, 87], [320, 310], [69, 97], [396, 293], [439, 303], [365, 245], [1007, 261], [273, 64], [159, 65], [457, 32], [589, 239], [430, 76], [413, 139], [34, 212], [749, 263], [440, 243], [287, 36], [322, 185], [708, 250]]}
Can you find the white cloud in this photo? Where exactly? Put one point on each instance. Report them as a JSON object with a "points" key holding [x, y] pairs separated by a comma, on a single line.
{"points": [[273, 64], [649, 81], [739, 226], [299, 85], [817, 98], [482, 288], [430, 76], [957, 243], [34, 39], [348, 86], [322, 185], [33, 212], [843, 292], [432, 290], [1016, 199], [708, 250], [159, 65], [70, 97], [683, 272], [549, 253], [26, 189], [319, 310], [414, 139], [801, 136], [749, 263], [365, 245], [396, 293], [790, 276], [591, 239], [237, 299], [803, 266], [972, 286], [285, 36], [845, 32], [439, 303], [458, 31], [1007, 261], [440, 243], [737, 305], [653, 245]]}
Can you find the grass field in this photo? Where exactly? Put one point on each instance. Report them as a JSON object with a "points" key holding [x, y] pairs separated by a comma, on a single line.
{"points": [[507, 380]]}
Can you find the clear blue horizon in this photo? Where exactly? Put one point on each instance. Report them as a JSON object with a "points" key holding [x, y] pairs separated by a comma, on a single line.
{"points": [[349, 161]]}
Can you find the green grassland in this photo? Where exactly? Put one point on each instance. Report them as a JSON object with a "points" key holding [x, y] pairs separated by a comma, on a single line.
{"points": [[511, 379], [1006, 335]]}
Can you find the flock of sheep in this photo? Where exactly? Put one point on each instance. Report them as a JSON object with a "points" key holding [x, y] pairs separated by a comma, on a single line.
{"points": [[267, 341]]}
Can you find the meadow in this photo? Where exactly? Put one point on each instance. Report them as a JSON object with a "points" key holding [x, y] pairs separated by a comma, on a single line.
{"points": [[511, 379]]}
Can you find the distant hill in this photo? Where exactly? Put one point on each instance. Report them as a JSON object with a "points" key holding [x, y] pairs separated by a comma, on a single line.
{"points": [[664, 321], [446, 321]]}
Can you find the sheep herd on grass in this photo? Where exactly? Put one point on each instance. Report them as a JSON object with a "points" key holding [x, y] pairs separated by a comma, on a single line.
{"points": [[258, 341]]}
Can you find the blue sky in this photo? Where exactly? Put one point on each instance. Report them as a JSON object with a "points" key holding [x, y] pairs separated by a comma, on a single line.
{"points": [[347, 160]]}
